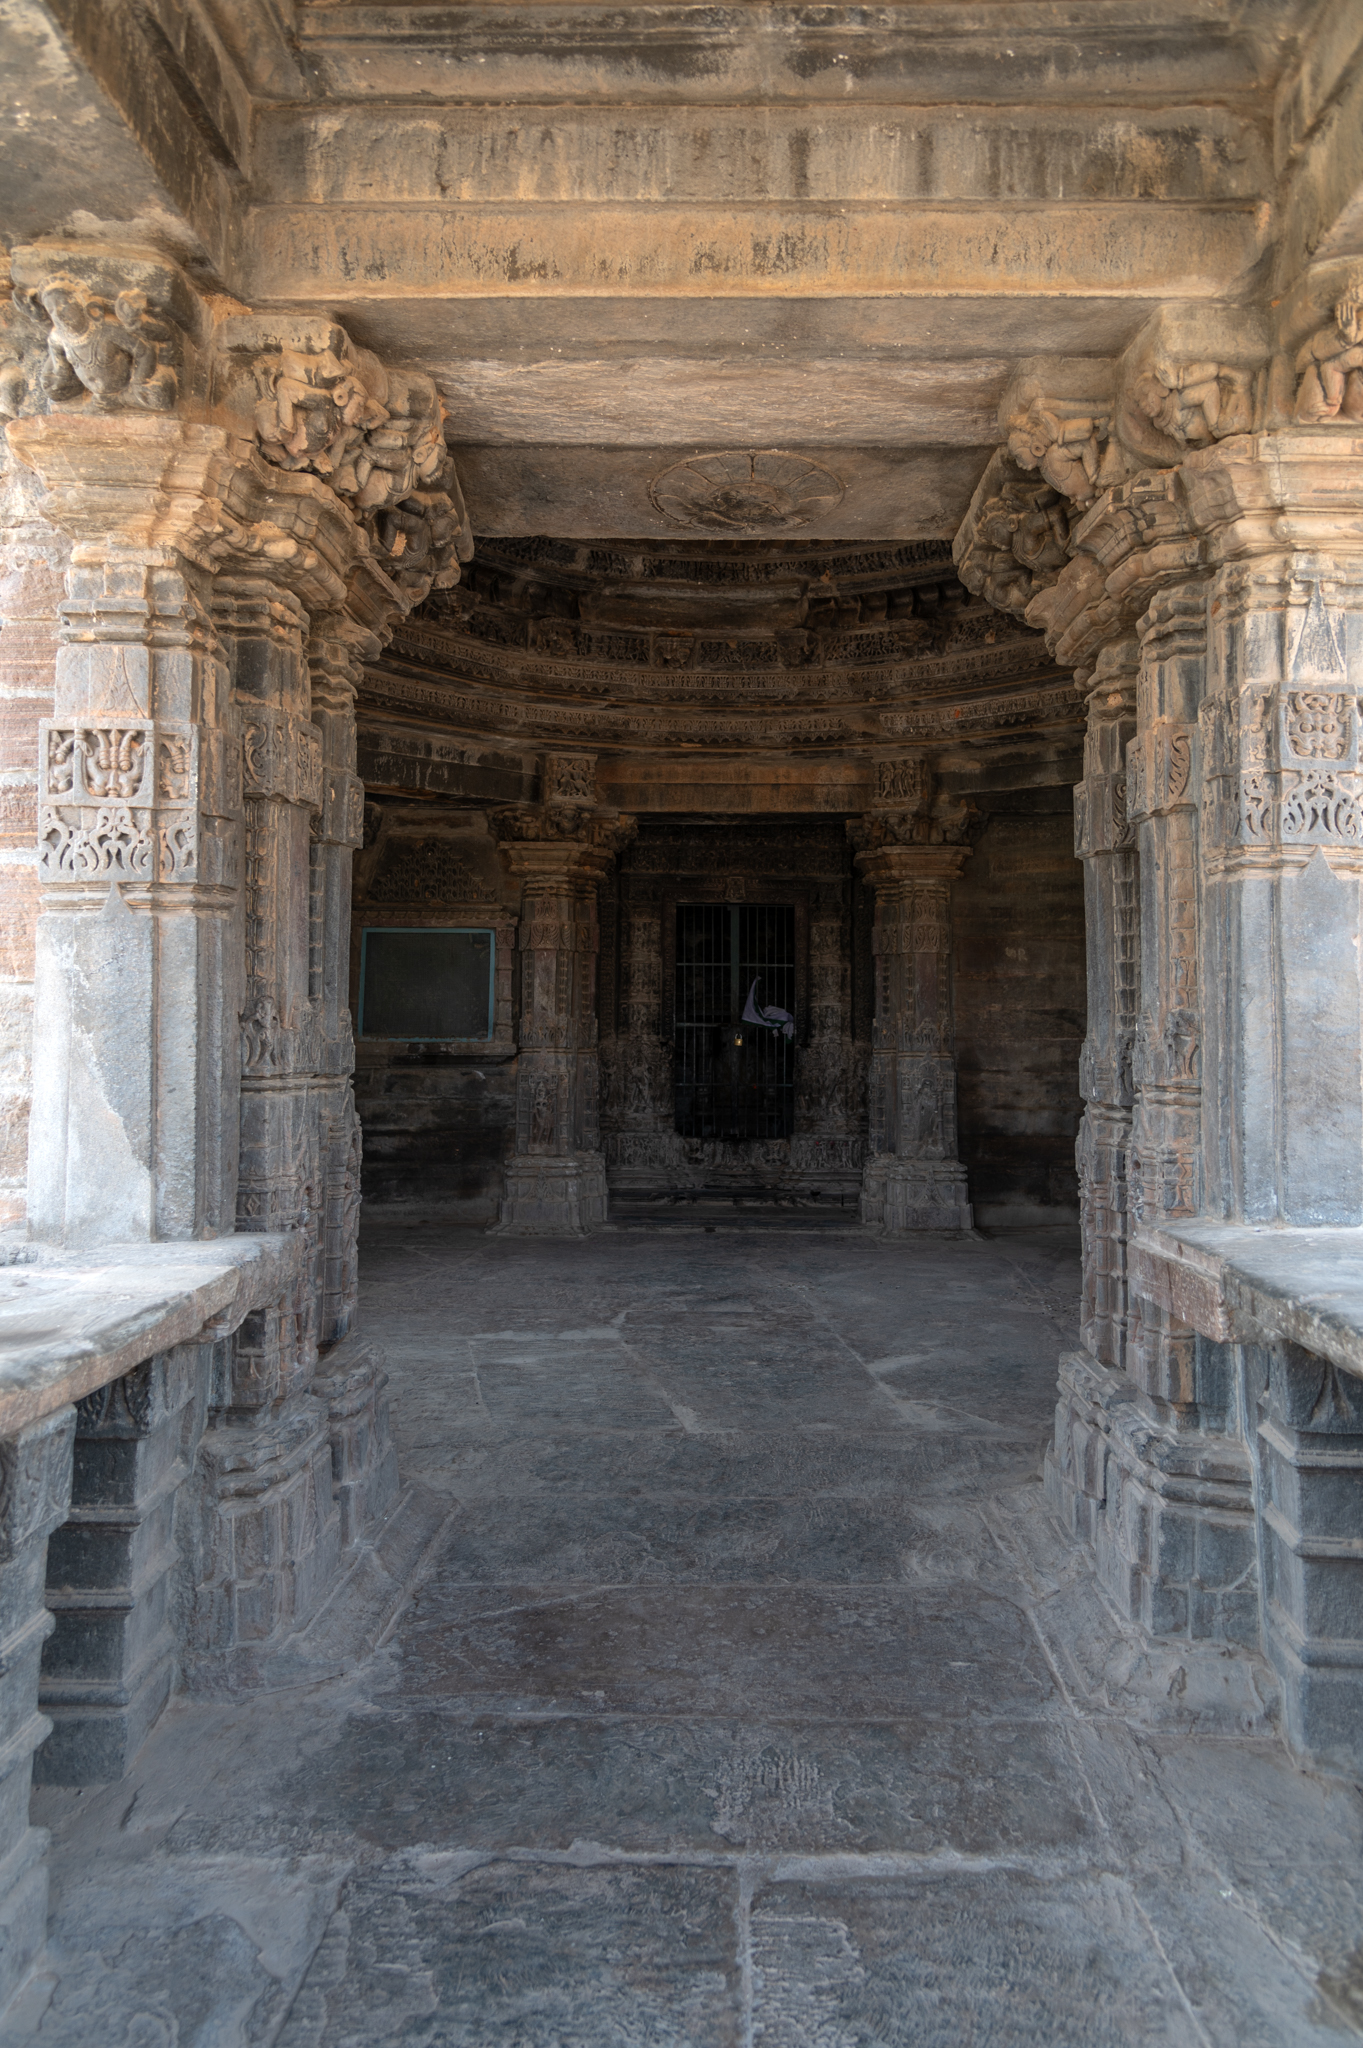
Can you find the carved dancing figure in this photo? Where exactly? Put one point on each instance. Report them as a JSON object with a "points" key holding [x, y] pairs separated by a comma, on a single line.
{"points": [[1330, 365]]}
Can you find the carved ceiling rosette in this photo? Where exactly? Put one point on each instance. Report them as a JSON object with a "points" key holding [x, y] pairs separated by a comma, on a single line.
{"points": [[744, 491]]}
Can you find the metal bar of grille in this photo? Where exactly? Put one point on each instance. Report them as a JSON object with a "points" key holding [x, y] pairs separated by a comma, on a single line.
{"points": [[735, 1081]]}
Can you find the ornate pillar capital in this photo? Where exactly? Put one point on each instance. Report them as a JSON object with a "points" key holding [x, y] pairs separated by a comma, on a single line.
{"points": [[561, 844], [892, 865]]}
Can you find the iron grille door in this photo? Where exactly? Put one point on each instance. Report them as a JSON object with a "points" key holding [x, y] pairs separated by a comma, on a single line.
{"points": [[734, 1080]]}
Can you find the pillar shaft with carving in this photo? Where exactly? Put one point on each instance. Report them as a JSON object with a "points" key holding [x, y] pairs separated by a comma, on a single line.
{"points": [[555, 1178], [139, 846], [249, 506], [1104, 839], [914, 1179]]}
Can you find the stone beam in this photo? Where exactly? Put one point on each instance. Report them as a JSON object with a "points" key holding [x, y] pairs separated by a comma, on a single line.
{"points": [[584, 154], [378, 251], [120, 112], [680, 52]]}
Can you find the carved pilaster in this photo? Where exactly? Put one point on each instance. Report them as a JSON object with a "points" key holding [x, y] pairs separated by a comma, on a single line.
{"points": [[555, 1178], [913, 1179], [135, 1082], [1104, 839]]}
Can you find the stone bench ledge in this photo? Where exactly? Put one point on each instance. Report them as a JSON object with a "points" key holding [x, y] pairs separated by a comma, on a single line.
{"points": [[1250, 1283], [72, 1321]]}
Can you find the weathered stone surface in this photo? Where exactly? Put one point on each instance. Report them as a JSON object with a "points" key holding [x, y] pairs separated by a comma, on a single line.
{"points": [[381, 1853]]}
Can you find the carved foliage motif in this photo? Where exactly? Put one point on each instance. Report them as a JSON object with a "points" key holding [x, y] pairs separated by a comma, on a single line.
{"points": [[122, 1408], [282, 758], [1159, 769]]}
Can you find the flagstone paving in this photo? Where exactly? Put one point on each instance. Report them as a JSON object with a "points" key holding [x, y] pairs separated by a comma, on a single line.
{"points": [[748, 1697]]}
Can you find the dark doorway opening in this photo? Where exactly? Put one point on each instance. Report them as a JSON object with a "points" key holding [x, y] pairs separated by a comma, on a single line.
{"points": [[735, 1072]]}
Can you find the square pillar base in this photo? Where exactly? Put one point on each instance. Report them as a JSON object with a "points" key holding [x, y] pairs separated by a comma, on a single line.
{"points": [[553, 1197], [1169, 1514], [900, 1196]]}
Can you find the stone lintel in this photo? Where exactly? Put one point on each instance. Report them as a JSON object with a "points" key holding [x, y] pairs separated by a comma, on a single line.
{"points": [[1127, 249]]}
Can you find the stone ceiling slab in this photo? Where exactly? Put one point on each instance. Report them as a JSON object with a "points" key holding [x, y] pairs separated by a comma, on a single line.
{"points": [[580, 492], [651, 400]]}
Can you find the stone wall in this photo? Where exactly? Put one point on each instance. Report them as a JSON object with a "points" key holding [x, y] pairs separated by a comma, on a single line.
{"points": [[1019, 952], [435, 1117]]}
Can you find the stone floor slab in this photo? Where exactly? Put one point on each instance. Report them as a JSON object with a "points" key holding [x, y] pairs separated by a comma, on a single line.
{"points": [[750, 1697], [871, 1653]]}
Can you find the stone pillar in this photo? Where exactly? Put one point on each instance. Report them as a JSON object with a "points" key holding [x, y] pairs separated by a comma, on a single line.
{"points": [[913, 1178], [556, 1176], [1150, 1462], [350, 1378], [134, 1129], [33, 562], [35, 1491], [251, 504], [1104, 839], [336, 650], [267, 1539]]}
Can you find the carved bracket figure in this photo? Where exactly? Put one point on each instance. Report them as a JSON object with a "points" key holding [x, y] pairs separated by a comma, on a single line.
{"points": [[117, 352], [1194, 403], [1330, 365], [377, 437]]}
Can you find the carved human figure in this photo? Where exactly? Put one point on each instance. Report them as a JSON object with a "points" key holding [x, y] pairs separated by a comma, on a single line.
{"points": [[1195, 402], [112, 350], [542, 1117], [1330, 365], [313, 414], [1066, 450]]}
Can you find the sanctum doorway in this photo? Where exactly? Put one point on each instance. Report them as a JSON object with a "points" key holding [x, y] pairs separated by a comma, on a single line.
{"points": [[734, 1021]]}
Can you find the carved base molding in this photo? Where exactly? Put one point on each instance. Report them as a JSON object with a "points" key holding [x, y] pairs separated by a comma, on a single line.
{"points": [[560, 1197], [899, 1196], [1310, 1454], [264, 1537], [113, 1658], [350, 1379], [1169, 1515]]}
